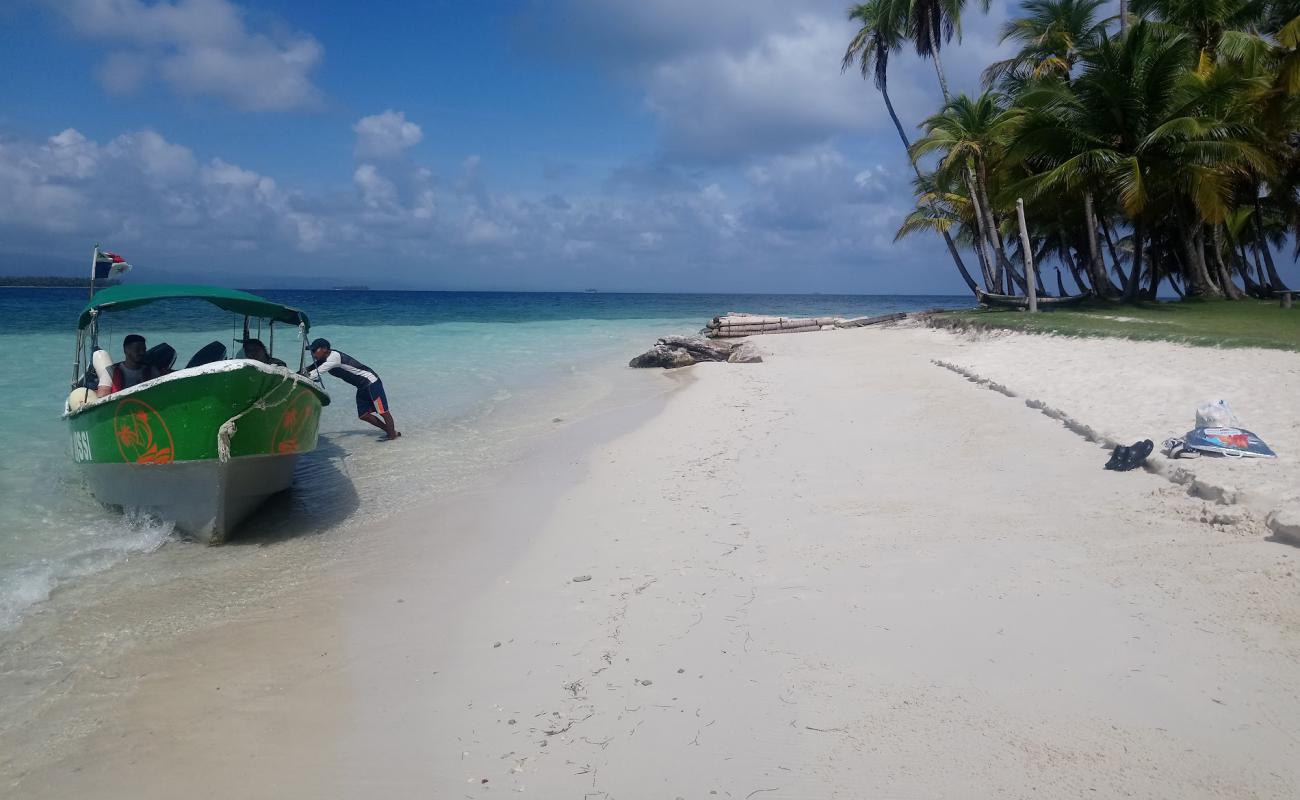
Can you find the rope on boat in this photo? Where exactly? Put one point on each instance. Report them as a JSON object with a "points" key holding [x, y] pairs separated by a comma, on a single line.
{"points": [[228, 428]]}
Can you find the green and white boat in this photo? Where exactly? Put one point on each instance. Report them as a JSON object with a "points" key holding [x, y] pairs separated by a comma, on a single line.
{"points": [[205, 445]]}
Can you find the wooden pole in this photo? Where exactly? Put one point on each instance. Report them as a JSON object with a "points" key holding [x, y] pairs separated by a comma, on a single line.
{"points": [[1031, 282]]}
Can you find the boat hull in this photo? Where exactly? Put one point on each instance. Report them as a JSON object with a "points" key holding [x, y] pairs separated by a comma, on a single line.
{"points": [[202, 447], [206, 500], [1013, 301]]}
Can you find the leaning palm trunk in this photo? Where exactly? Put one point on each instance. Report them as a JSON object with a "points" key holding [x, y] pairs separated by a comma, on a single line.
{"points": [[947, 239], [1135, 275], [1262, 243], [1225, 277], [1258, 280], [1096, 266], [1243, 269], [995, 239], [1114, 257], [1154, 273], [1198, 277], [938, 66], [1203, 264], [983, 239], [1084, 287], [986, 265]]}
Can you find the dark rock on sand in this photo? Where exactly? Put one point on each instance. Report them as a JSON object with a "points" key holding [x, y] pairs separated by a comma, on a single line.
{"points": [[663, 356], [671, 352]]}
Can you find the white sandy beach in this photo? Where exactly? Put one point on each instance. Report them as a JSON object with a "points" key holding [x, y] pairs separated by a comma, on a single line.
{"points": [[844, 572]]}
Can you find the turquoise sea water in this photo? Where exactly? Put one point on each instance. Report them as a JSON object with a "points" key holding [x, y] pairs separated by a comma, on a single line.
{"points": [[465, 373]]}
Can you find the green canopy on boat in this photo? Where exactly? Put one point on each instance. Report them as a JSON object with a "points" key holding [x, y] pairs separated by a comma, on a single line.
{"points": [[120, 298]]}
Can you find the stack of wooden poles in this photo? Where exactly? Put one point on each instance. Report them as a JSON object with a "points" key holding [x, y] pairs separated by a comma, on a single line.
{"points": [[735, 324]]}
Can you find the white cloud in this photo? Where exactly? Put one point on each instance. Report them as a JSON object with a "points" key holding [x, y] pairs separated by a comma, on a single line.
{"points": [[141, 188], [376, 190], [197, 48], [154, 198], [780, 93], [385, 135], [154, 155], [731, 80]]}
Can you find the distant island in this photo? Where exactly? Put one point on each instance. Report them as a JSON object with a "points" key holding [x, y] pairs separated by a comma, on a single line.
{"points": [[50, 282]]}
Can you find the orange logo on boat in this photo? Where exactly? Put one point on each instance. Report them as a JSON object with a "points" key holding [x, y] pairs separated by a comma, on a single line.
{"points": [[295, 424], [142, 436]]}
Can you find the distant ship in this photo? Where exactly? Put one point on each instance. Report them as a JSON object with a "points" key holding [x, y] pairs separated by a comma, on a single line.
{"points": [[590, 291], [350, 288]]}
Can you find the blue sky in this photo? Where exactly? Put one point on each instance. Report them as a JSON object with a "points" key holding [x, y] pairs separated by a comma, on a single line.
{"points": [[661, 145]]}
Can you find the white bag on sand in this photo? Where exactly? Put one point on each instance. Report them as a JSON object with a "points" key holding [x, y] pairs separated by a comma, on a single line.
{"points": [[1215, 414]]}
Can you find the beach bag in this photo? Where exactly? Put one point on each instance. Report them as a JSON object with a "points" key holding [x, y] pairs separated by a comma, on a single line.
{"points": [[1215, 414], [1227, 441]]}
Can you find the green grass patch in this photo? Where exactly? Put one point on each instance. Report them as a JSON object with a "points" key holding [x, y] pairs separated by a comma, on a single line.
{"points": [[1206, 323]]}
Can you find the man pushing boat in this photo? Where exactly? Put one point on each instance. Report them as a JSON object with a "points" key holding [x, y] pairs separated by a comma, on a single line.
{"points": [[372, 403]]}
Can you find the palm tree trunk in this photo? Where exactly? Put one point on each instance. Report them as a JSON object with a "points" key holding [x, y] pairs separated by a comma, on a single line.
{"points": [[1177, 289], [938, 66], [1084, 287], [1261, 275], [1114, 257], [1198, 278], [1134, 278], [1123, 16], [1242, 264], [1096, 266], [1153, 283], [995, 235], [1256, 284], [986, 264], [947, 239], [1202, 264], [1262, 244], [1225, 277], [994, 269]]}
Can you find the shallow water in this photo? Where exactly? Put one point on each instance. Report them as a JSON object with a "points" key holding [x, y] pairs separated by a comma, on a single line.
{"points": [[467, 374]]}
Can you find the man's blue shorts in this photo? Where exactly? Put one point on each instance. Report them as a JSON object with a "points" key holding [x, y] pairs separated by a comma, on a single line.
{"points": [[371, 399]]}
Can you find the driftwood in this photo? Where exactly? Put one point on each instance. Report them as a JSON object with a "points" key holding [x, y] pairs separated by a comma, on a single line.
{"points": [[672, 352], [735, 324], [861, 322]]}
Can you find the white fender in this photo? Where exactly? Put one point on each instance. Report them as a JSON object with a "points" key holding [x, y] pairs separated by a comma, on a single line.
{"points": [[80, 397]]}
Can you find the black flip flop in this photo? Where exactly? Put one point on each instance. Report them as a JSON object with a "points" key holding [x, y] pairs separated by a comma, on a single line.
{"points": [[1126, 457]]}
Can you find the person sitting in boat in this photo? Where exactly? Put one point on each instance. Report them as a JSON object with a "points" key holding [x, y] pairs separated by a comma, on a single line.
{"points": [[372, 403], [132, 369], [256, 351]]}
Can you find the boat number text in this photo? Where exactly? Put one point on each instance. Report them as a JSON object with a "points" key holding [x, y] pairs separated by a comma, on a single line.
{"points": [[80, 446]]}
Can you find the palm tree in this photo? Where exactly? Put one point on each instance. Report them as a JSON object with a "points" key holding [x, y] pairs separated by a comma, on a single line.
{"points": [[932, 23], [971, 135], [878, 35], [1167, 143], [1051, 34]]}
